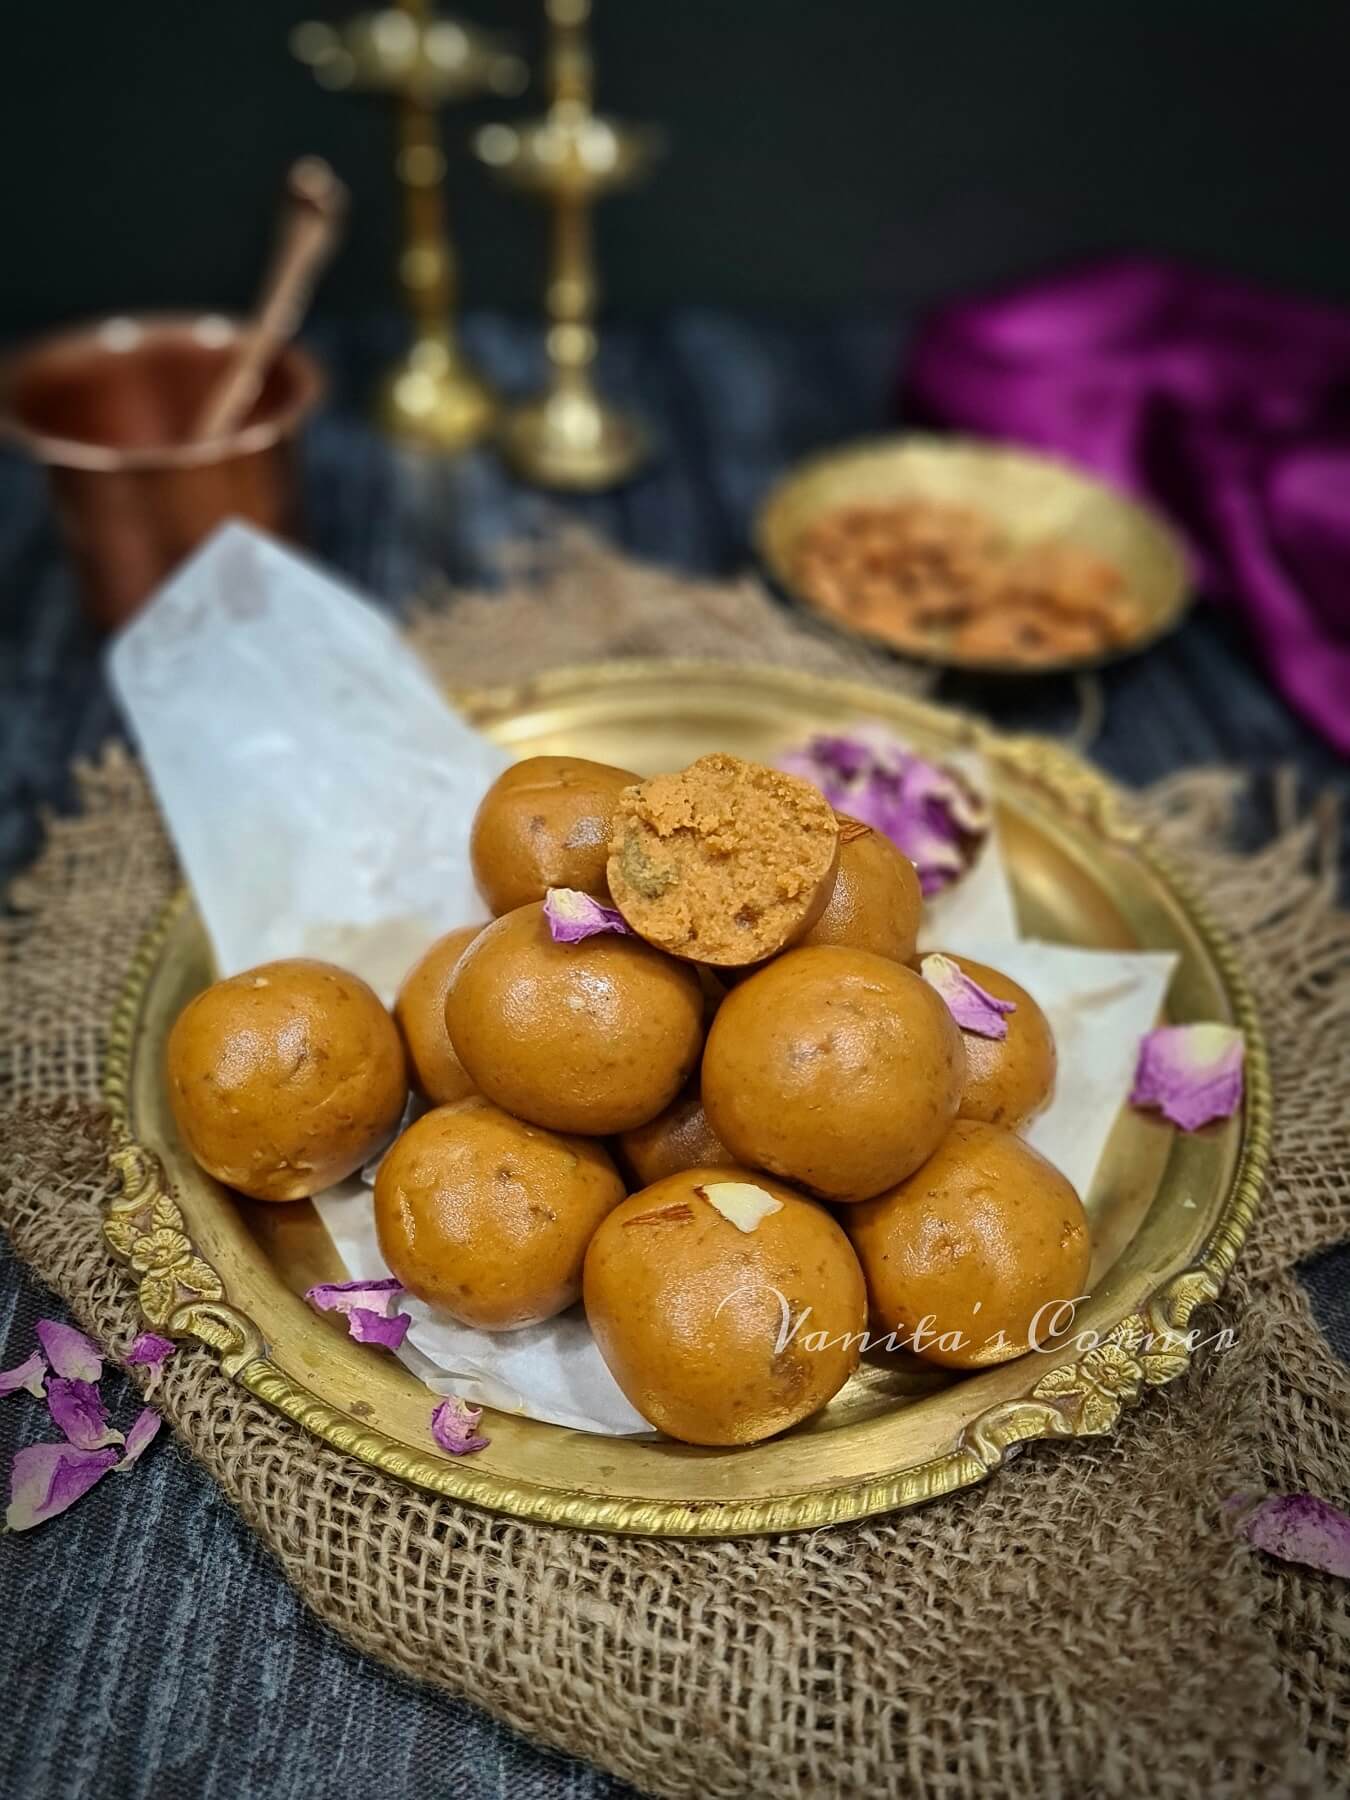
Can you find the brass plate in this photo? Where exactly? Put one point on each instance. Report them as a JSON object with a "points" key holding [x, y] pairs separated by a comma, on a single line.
{"points": [[1169, 1211], [1031, 496]]}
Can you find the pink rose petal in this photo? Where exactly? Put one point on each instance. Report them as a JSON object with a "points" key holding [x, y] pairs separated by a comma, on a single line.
{"points": [[925, 783], [47, 1478], [844, 759], [454, 1424], [369, 1327], [150, 1350], [928, 811], [29, 1374], [342, 1296], [143, 1431], [1299, 1528], [974, 1008], [366, 1305], [78, 1412], [69, 1352], [1191, 1073], [573, 915]]}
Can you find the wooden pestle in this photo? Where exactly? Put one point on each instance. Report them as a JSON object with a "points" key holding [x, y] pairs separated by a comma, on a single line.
{"points": [[316, 202]]}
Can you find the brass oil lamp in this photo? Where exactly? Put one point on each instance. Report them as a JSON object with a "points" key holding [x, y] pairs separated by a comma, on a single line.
{"points": [[569, 436], [433, 397]]}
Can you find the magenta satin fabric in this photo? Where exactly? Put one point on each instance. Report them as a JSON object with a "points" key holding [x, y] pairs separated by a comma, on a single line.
{"points": [[1227, 406]]}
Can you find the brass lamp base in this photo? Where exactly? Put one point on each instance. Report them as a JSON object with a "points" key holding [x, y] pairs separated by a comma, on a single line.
{"points": [[434, 400], [571, 439]]}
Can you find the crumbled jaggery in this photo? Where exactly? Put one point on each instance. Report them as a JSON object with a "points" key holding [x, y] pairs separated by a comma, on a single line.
{"points": [[934, 577], [726, 862]]}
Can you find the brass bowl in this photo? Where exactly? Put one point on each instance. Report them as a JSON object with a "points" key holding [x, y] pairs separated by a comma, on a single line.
{"points": [[1168, 1211], [1031, 496]]}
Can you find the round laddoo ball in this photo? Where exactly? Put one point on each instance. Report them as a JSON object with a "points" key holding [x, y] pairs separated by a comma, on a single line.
{"points": [[1009, 1080], [419, 1013], [979, 1247], [726, 862], [876, 901], [838, 1069], [596, 1036], [678, 1138], [726, 1306], [487, 1218], [286, 1078], [545, 822]]}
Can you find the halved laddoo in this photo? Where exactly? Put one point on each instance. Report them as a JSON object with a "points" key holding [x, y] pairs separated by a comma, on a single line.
{"points": [[726, 862]]}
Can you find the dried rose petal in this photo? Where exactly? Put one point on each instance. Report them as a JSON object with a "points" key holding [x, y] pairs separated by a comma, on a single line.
{"points": [[1299, 1528], [927, 810], [369, 1327], [69, 1352], [1192, 1073], [29, 1374], [847, 758], [150, 1350], [939, 822], [341, 1296], [78, 1412], [454, 1424], [573, 915], [974, 1008], [143, 1431], [47, 1478], [934, 784], [367, 1306], [741, 1203]]}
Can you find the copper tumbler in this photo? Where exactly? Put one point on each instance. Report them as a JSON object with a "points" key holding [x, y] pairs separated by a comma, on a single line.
{"points": [[108, 408]]}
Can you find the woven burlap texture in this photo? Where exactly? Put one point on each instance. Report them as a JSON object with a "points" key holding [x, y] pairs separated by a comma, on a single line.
{"points": [[1085, 1623]]}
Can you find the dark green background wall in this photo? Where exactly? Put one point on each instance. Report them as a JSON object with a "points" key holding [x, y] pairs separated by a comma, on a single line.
{"points": [[823, 151]]}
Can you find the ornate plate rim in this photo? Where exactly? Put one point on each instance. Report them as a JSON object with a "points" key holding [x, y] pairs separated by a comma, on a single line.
{"points": [[182, 1296]]}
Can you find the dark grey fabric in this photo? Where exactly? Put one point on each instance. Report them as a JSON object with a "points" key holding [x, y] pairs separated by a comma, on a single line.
{"points": [[149, 1650], [817, 148], [148, 1646]]}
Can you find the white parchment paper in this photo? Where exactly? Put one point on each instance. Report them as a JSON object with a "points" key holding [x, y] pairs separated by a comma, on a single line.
{"points": [[319, 790], [315, 782]]}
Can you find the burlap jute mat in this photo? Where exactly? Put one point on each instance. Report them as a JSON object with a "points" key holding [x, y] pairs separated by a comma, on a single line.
{"points": [[1085, 1623]]}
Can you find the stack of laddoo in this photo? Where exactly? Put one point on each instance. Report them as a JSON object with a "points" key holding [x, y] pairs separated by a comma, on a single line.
{"points": [[692, 1074]]}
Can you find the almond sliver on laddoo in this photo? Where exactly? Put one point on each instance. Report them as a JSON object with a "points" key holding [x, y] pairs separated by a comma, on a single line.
{"points": [[726, 863]]}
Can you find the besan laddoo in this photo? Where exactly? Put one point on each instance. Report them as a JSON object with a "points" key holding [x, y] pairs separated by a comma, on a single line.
{"points": [[974, 1254], [595, 1036], [286, 1078], [678, 1138], [419, 1013], [726, 1306], [545, 822], [836, 1069], [876, 902], [487, 1218], [1010, 1079]]}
